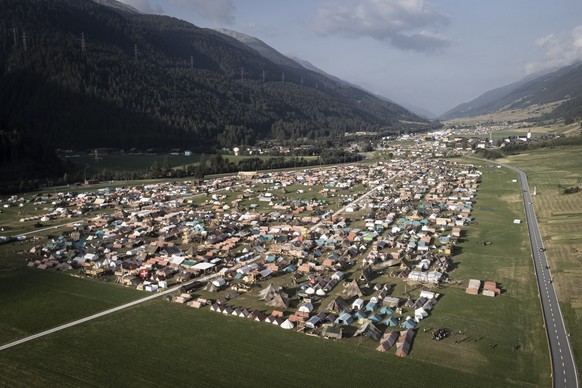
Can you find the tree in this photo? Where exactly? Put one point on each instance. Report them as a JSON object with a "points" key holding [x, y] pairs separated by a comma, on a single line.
{"points": [[155, 170]]}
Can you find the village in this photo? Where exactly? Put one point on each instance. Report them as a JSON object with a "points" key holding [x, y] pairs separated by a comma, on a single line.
{"points": [[336, 252]]}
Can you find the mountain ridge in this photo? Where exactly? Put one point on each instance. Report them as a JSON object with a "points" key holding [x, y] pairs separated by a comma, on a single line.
{"points": [[77, 74], [546, 87]]}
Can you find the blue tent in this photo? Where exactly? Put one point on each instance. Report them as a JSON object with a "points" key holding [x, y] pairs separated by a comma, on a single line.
{"points": [[374, 318], [408, 324], [371, 306], [387, 310], [344, 319], [391, 321]]}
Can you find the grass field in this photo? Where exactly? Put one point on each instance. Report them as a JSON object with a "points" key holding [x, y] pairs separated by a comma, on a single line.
{"points": [[534, 111], [163, 344], [560, 219], [142, 162], [502, 341]]}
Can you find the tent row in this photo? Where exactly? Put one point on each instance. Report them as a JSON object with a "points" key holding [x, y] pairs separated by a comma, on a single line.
{"points": [[276, 318]]}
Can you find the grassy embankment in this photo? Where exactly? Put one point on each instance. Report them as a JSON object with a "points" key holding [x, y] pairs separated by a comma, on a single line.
{"points": [[198, 346]]}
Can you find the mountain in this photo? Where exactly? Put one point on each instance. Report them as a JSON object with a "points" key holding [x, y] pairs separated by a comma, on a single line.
{"points": [[564, 84], [262, 48], [79, 74], [412, 108], [309, 66], [116, 5], [270, 53]]}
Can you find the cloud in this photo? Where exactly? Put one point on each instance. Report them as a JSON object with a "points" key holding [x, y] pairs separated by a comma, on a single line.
{"points": [[402, 23], [558, 50], [219, 11]]}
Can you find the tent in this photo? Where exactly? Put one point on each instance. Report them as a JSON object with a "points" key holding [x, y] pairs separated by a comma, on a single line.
{"points": [[280, 300], [387, 340], [387, 310], [371, 306], [409, 323], [344, 319], [383, 347], [269, 292], [374, 317], [368, 329], [227, 310], [404, 343], [420, 314], [353, 289], [313, 322], [287, 325], [391, 321], [338, 304], [358, 304], [306, 307], [332, 332], [367, 274]]}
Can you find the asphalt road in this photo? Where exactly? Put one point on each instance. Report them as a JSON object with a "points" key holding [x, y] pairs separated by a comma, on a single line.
{"points": [[563, 366]]}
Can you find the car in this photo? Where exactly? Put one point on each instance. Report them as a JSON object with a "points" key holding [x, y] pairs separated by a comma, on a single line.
{"points": [[540, 249]]}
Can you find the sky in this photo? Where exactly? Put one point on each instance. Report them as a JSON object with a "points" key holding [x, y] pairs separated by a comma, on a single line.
{"points": [[432, 55]]}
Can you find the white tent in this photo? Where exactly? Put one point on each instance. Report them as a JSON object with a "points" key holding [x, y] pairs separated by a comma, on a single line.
{"points": [[419, 314], [358, 304], [287, 325]]}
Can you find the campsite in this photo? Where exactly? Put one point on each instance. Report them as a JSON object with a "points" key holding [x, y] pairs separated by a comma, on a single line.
{"points": [[176, 330]]}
